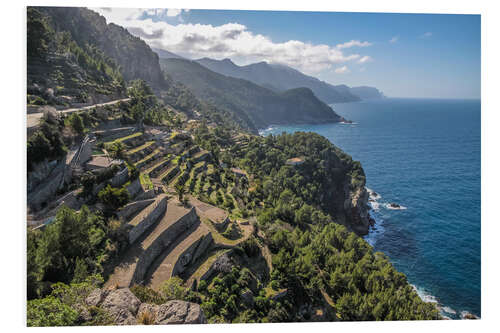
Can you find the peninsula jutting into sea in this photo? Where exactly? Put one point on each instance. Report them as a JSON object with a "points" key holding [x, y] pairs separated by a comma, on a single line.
{"points": [[187, 171]]}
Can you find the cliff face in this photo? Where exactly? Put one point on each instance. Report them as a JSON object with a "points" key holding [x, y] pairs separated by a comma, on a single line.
{"points": [[133, 55], [357, 210]]}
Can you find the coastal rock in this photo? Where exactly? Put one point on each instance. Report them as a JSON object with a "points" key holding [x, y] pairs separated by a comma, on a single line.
{"points": [[467, 315], [357, 208]]}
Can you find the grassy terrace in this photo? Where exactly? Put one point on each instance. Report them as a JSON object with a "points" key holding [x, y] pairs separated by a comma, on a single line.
{"points": [[144, 146], [147, 158], [146, 183], [159, 165], [219, 239], [207, 261], [131, 136]]}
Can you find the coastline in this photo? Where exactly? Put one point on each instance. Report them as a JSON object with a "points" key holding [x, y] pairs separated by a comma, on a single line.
{"points": [[377, 229]]}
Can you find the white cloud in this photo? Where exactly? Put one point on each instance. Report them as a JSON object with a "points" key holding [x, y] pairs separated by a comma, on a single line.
{"points": [[353, 43], [365, 59], [342, 70], [426, 35], [394, 39], [173, 12], [230, 40]]}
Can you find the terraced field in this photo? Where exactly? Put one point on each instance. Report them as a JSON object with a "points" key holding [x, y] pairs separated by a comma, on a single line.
{"points": [[163, 267]]}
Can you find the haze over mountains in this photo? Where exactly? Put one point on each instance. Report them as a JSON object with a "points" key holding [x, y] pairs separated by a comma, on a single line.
{"points": [[279, 77]]}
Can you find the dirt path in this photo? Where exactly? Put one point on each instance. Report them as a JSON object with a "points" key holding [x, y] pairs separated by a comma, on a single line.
{"points": [[33, 119]]}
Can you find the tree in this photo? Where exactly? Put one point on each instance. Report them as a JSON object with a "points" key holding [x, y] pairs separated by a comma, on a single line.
{"points": [[50, 311], [117, 150], [39, 33], [180, 190], [172, 289], [113, 197], [76, 123]]}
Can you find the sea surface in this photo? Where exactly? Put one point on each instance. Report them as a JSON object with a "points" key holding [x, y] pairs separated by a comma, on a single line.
{"points": [[425, 155]]}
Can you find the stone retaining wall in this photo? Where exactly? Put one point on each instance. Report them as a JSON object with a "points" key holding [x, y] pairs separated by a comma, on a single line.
{"points": [[130, 209], [120, 178], [162, 242], [192, 253], [156, 211], [135, 188]]}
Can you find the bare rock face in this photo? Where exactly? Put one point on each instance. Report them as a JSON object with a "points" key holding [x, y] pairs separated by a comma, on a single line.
{"points": [[174, 312], [122, 305], [126, 309]]}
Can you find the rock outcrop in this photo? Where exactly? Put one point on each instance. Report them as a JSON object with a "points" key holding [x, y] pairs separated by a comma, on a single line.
{"points": [[124, 308], [356, 206]]}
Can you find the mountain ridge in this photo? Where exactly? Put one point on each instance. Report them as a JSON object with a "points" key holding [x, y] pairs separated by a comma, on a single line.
{"points": [[261, 106]]}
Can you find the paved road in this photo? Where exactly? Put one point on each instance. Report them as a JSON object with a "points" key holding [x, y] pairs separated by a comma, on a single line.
{"points": [[33, 119]]}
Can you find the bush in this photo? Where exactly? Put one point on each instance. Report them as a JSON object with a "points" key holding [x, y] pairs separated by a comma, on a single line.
{"points": [[76, 123], [113, 197], [172, 289], [50, 311], [147, 295]]}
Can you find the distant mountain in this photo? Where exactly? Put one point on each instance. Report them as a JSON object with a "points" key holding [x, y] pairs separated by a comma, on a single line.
{"points": [[367, 92], [255, 105], [164, 54], [281, 77]]}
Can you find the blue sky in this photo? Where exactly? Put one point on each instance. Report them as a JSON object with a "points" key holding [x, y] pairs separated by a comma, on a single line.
{"points": [[404, 55]]}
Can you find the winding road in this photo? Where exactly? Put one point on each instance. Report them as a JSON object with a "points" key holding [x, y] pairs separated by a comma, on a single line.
{"points": [[33, 119]]}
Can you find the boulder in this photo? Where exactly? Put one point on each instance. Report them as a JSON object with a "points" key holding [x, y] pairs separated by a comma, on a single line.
{"points": [[174, 312], [122, 305]]}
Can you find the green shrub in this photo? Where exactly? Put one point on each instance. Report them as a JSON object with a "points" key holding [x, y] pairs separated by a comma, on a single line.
{"points": [[113, 197], [50, 311]]}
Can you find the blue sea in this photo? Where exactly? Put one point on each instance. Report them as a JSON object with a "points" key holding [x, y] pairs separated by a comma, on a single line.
{"points": [[425, 155]]}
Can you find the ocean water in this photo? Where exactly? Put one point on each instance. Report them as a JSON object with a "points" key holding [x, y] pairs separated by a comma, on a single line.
{"points": [[425, 155]]}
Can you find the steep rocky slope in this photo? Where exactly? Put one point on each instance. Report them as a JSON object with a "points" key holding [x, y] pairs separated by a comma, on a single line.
{"points": [[132, 54]]}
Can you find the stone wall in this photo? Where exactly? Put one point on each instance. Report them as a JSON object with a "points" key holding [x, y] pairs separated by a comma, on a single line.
{"points": [[148, 220], [47, 189], [192, 253], [149, 194], [130, 209], [163, 241], [120, 177], [135, 188]]}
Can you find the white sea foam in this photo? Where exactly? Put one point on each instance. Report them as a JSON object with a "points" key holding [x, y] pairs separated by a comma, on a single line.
{"points": [[449, 310], [424, 295], [388, 206]]}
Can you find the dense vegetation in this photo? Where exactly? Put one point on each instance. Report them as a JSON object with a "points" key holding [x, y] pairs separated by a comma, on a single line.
{"points": [[134, 57], [311, 254], [60, 70], [71, 248]]}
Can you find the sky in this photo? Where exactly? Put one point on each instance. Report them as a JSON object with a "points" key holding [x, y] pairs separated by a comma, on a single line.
{"points": [[403, 55]]}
